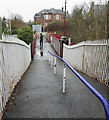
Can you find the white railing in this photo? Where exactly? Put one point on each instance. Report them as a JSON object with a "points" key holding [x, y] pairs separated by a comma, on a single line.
{"points": [[15, 58], [13, 39], [89, 57]]}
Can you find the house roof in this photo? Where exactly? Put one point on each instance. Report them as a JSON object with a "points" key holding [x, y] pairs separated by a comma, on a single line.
{"points": [[98, 9], [37, 15], [48, 11]]}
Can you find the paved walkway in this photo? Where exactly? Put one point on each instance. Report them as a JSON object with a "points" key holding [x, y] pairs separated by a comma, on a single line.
{"points": [[40, 93]]}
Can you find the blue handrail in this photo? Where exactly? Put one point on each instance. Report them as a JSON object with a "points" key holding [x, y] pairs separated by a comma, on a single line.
{"points": [[97, 94]]}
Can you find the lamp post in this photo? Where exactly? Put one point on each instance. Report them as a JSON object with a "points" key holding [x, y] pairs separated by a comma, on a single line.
{"points": [[65, 16], [108, 20], [10, 26]]}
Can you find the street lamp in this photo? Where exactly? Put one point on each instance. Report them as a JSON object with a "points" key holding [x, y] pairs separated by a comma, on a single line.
{"points": [[65, 16], [10, 26], [108, 20]]}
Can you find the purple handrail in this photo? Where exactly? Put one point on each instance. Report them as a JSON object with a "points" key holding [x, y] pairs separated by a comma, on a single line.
{"points": [[94, 91]]}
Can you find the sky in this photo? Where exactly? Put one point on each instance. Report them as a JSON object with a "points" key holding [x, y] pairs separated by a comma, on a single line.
{"points": [[28, 8]]}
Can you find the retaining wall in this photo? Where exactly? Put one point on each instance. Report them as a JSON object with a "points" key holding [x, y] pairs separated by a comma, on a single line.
{"points": [[15, 58]]}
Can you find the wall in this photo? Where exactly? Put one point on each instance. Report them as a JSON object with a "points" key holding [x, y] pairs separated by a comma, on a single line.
{"points": [[15, 58], [90, 57]]}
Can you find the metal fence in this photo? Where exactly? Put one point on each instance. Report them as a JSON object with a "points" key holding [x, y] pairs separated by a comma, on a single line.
{"points": [[15, 58], [56, 44], [0, 28], [90, 57], [34, 45], [54, 40]]}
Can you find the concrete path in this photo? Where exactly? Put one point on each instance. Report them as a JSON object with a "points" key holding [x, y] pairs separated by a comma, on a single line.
{"points": [[40, 93]]}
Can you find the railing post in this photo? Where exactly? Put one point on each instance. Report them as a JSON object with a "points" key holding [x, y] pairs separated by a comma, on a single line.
{"points": [[51, 61], [55, 65], [92, 89], [49, 58], [69, 41], [64, 77]]}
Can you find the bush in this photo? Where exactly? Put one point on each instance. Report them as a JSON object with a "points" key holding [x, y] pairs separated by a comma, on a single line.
{"points": [[25, 34], [56, 26]]}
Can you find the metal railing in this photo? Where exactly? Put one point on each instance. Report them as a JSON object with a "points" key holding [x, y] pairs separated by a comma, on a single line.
{"points": [[91, 88]]}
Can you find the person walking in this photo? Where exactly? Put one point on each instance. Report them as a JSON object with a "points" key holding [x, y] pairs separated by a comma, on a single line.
{"points": [[41, 40]]}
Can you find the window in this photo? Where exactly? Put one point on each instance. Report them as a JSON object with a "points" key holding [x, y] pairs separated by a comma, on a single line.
{"points": [[57, 17], [50, 17], [46, 17]]}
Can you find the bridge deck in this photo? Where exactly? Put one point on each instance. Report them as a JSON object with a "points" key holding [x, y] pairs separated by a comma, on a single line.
{"points": [[40, 94]]}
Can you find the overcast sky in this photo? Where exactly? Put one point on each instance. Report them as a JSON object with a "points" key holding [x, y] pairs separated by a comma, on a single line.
{"points": [[27, 8]]}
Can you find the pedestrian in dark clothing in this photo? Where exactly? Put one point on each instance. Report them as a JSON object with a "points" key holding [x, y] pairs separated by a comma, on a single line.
{"points": [[41, 40]]}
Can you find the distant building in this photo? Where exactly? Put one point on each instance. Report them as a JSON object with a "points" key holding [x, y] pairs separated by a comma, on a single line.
{"points": [[97, 9], [46, 16]]}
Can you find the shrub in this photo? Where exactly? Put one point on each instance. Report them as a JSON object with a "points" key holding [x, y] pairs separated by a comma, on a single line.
{"points": [[84, 24], [25, 34]]}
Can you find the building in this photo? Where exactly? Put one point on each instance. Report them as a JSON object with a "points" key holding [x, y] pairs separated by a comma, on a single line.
{"points": [[97, 9], [46, 16]]}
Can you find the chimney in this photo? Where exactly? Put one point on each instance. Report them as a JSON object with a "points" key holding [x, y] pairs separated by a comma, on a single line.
{"points": [[4, 19], [92, 7], [62, 9]]}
